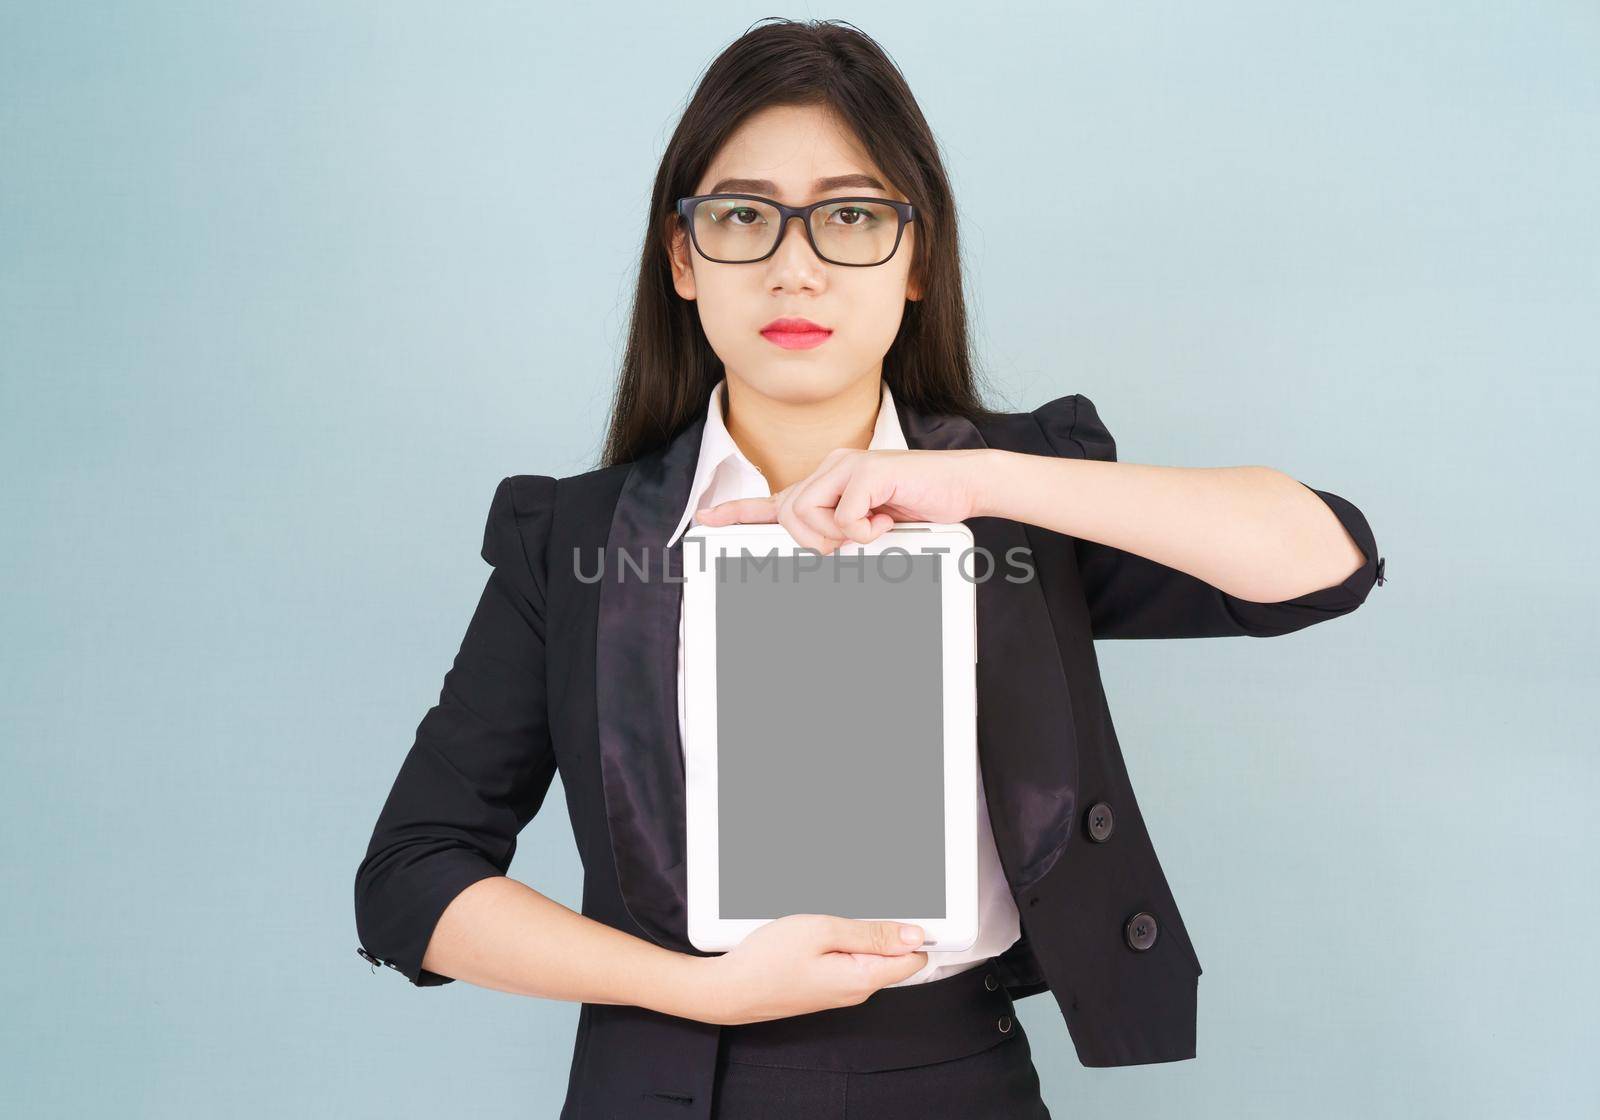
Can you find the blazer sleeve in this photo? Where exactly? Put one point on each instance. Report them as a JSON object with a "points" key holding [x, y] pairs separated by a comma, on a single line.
{"points": [[482, 760], [1130, 596]]}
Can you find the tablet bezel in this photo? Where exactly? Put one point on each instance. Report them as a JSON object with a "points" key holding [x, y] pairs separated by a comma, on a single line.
{"points": [[707, 929]]}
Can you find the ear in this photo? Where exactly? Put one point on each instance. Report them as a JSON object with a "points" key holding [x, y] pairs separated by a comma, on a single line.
{"points": [[914, 274], [680, 256]]}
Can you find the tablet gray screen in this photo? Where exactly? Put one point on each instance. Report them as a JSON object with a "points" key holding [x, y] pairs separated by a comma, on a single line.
{"points": [[830, 735]]}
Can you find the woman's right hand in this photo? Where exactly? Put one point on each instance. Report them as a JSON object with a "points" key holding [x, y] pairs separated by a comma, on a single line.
{"points": [[808, 962]]}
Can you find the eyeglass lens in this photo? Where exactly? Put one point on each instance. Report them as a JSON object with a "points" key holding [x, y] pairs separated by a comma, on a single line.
{"points": [[744, 229]]}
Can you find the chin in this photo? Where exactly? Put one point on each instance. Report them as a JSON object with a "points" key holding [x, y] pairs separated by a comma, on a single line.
{"points": [[796, 383]]}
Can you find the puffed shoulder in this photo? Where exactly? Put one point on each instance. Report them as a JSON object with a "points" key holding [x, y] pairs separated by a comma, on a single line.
{"points": [[1073, 428], [517, 530]]}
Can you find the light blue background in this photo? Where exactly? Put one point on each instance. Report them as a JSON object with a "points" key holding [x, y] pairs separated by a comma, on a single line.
{"points": [[287, 288]]}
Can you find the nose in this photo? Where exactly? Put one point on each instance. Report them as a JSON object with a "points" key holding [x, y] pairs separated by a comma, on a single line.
{"points": [[801, 235], [795, 261]]}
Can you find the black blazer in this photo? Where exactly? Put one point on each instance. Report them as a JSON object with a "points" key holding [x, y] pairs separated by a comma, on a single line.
{"points": [[561, 670]]}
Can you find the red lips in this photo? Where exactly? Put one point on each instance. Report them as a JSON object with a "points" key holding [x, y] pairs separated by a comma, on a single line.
{"points": [[795, 334]]}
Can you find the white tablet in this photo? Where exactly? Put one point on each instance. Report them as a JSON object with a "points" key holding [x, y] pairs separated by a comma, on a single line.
{"points": [[830, 731]]}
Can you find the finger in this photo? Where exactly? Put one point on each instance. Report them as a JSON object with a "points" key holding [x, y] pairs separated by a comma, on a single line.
{"points": [[740, 511], [853, 513], [804, 532], [820, 524], [868, 529], [850, 935], [806, 536], [891, 970], [855, 500], [816, 498]]}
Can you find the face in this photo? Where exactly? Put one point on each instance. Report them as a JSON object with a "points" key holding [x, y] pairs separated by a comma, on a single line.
{"points": [[794, 148]]}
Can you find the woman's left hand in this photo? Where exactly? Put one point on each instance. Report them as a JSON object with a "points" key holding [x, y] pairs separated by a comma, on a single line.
{"points": [[858, 495]]}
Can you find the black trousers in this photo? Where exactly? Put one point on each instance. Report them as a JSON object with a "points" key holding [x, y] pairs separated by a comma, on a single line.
{"points": [[950, 1048]]}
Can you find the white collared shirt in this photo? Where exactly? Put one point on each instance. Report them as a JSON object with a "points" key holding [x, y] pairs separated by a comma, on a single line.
{"points": [[722, 474]]}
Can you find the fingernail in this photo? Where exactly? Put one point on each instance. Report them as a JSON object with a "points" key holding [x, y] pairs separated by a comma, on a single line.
{"points": [[911, 935]]}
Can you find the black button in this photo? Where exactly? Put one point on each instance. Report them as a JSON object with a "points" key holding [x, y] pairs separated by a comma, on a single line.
{"points": [[366, 956], [1100, 822], [1004, 1024], [1141, 931], [1380, 569], [990, 982]]}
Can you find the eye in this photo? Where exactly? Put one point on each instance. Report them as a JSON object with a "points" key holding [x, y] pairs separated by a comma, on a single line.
{"points": [[730, 215], [846, 216]]}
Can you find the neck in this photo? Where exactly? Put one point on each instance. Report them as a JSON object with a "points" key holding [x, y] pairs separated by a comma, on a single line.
{"points": [[787, 441]]}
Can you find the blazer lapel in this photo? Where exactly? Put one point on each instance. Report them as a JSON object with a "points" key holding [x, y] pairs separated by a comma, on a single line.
{"points": [[1026, 746], [636, 688]]}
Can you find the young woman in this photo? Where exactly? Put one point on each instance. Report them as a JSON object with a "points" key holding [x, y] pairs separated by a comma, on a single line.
{"points": [[798, 354]]}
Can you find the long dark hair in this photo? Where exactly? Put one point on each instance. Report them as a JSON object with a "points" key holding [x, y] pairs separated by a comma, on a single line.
{"points": [[669, 368]]}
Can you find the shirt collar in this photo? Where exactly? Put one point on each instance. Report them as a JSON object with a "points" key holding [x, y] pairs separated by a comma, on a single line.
{"points": [[717, 447]]}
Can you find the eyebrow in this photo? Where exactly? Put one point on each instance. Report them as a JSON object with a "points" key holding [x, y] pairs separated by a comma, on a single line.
{"points": [[768, 187]]}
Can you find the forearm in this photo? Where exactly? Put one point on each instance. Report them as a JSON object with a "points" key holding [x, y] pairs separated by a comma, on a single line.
{"points": [[502, 934], [1254, 532]]}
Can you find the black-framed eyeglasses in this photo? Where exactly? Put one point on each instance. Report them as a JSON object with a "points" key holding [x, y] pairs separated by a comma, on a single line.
{"points": [[745, 228]]}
